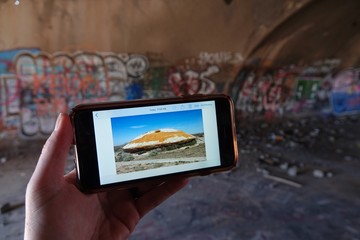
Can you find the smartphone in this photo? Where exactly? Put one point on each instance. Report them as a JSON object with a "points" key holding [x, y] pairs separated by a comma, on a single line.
{"points": [[122, 144]]}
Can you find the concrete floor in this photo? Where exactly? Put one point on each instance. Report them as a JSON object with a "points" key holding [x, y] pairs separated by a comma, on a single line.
{"points": [[253, 201]]}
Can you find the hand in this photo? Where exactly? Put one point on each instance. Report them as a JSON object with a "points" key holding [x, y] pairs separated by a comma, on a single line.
{"points": [[56, 209]]}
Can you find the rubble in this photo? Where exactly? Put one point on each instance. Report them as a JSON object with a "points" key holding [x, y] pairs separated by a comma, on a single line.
{"points": [[7, 207], [261, 181], [292, 171], [316, 135], [283, 180], [276, 137], [284, 166], [318, 173], [266, 159], [350, 158]]}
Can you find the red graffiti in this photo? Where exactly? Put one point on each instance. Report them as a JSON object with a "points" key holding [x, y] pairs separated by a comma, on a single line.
{"points": [[187, 81]]}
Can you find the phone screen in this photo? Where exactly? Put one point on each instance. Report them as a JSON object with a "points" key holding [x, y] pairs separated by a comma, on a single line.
{"points": [[141, 142]]}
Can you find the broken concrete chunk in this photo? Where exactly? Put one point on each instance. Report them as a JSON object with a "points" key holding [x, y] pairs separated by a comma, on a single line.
{"points": [[318, 173], [284, 166], [7, 207], [293, 171]]}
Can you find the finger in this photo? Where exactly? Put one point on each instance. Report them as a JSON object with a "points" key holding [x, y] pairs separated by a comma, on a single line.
{"points": [[71, 177], [51, 164], [154, 197]]}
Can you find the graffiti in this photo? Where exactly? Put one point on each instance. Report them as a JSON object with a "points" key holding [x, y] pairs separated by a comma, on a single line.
{"points": [[10, 94], [134, 91], [307, 88], [39, 85], [7, 56], [43, 85], [156, 85], [219, 58], [345, 96], [320, 68], [295, 89], [124, 73], [35, 86], [35, 76], [187, 81], [92, 75], [10, 88], [261, 93], [137, 66]]}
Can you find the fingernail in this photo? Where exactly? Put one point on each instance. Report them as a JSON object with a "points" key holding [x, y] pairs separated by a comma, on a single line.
{"points": [[58, 121]]}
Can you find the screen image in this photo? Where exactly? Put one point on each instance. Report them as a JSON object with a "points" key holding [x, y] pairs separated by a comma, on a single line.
{"points": [[158, 140], [141, 142]]}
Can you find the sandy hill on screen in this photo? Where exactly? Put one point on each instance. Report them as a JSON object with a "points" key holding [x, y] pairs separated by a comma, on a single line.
{"points": [[158, 139]]}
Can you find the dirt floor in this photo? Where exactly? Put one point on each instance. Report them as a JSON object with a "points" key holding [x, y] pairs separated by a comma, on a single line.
{"points": [[297, 179]]}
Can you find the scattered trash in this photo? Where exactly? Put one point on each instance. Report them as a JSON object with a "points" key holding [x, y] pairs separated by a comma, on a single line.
{"points": [[283, 180], [3, 160], [7, 207], [276, 138], [284, 166], [339, 151], [309, 134], [292, 171], [315, 132], [321, 174], [262, 170], [268, 160], [318, 173], [292, 144]]}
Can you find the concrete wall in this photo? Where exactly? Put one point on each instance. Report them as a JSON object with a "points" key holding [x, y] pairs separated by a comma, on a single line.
{"points": [[177, 29], [56, 54]]}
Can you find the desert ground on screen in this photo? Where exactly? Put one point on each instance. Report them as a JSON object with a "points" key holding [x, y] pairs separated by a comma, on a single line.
{"points": [[155, 159]]}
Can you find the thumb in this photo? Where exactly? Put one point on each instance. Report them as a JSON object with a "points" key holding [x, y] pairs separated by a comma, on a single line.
{"points": [[50, 167]]}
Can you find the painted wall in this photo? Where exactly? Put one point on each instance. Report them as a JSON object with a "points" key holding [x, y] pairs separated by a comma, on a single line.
{"points": [[56, 54], [320, 88], [35, 86]]}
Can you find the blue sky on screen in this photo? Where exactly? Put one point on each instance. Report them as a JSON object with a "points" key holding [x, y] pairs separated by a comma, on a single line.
{"points": [[126, 129]]}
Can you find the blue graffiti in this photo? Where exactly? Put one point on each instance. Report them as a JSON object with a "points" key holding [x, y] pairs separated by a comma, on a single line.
{"points": [[134, 91], [345, 103], [7, 58]]}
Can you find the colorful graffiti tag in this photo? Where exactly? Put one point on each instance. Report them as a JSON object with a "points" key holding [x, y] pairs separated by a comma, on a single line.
{"points": [[264, 92], [345, 96], [43, 85], [187, 81]]}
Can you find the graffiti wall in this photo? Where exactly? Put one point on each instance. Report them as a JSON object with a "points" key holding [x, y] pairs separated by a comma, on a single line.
{"points": [[277, 91], [35, 86]]}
